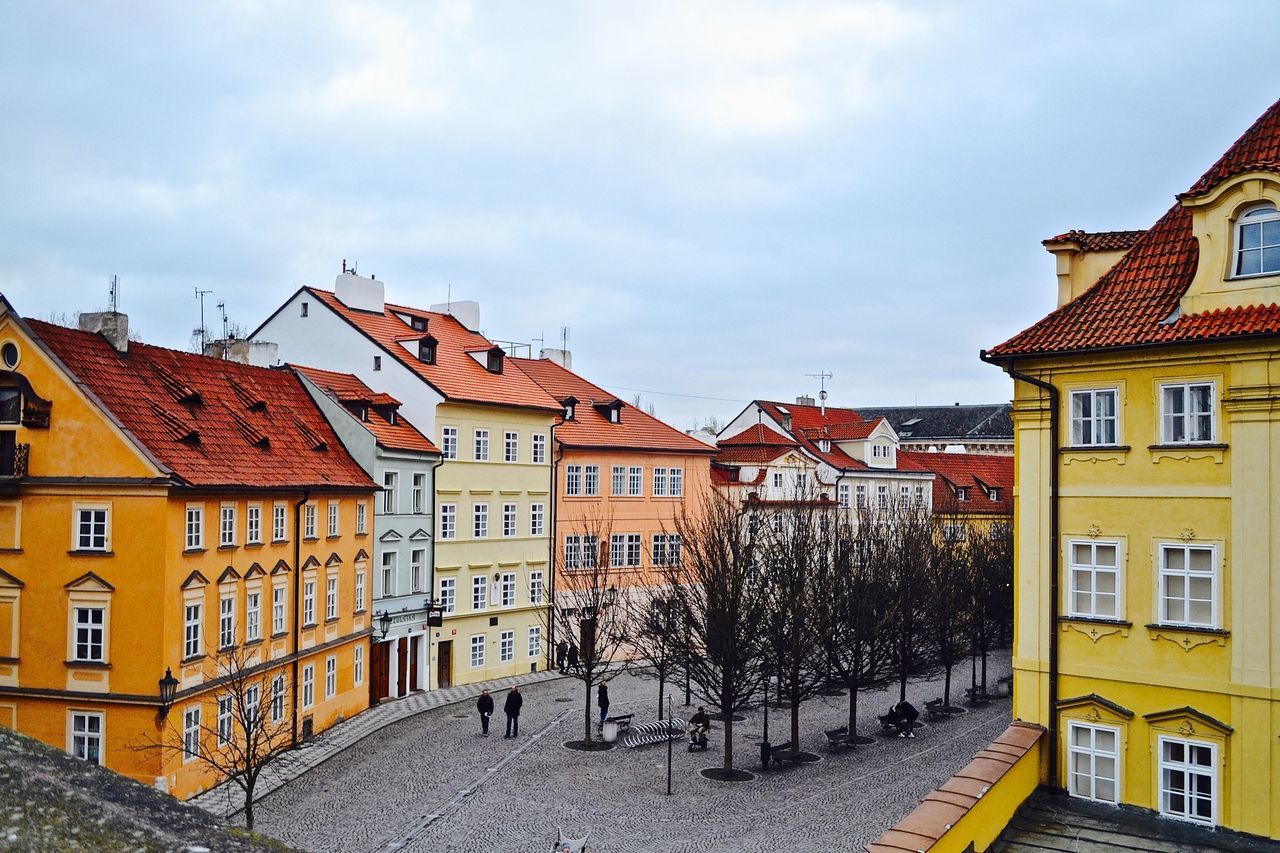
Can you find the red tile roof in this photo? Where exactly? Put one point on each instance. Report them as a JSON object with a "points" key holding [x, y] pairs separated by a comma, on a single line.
{"points": [[1134, 303], [455, 374], [1098, 241], [759, 434], [591, 428], [761, 454], [809, 424], [729, 477], [211, 422], [354, 394], [973, 471]]}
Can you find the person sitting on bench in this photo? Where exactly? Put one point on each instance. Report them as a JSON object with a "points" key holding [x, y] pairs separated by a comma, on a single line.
{"points": [[906, 717]]}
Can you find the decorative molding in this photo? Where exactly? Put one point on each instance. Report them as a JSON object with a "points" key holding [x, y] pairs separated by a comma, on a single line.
{"points": [[1187, 534], [1093, 455], [1095, 631], [1094, 531], [1188, 638], [1186, 452]]}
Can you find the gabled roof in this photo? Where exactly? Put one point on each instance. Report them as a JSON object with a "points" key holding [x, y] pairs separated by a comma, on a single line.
{"points": [[976, 472], [759, 434], [455, 373], [352, 393], [186, 412], [591, 427], [1136, 302], [811, 424], [1098, 241], [947, 423]]}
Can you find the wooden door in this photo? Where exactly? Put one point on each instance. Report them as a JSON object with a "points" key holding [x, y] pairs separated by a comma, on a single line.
{"points": [[444, 663], [415, 644], [380, 670], [402, 670]]}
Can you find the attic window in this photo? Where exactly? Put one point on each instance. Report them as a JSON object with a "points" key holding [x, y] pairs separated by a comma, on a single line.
{"points": [[824, 444], [494, 363], [1258, 241], [304, 309], [364, 413], [994, 494], [611, 411], [10, 405], [615, 415], [419, 324], [427, 348], [569, 410], [962, 493], [377, 362]]}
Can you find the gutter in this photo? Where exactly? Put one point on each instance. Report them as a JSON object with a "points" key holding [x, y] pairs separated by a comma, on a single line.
{"points": [[557, 456], [1055, 568], [297, 604], [431, 591]]}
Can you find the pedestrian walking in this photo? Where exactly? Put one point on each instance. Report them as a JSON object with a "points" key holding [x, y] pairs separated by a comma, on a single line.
{"points": [[602, 701], [512, 708], [562, 652], [573, 655], [484, 705]]}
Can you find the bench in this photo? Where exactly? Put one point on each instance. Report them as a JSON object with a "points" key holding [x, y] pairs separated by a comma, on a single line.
{"points": [[837, 738], [784, 752], [623, 720], [977, 695], [888, 724], [935, 708]]}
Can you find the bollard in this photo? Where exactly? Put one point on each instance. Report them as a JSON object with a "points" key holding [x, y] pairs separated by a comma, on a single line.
{"points": [[764, 755]]}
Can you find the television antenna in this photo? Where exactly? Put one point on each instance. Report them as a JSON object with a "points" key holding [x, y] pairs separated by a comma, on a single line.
{"points": [[202, 331], [222, 306], [822, 376], [115, 292]]}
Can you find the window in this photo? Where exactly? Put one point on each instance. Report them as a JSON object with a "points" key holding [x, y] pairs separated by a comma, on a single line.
{"points": [[417, 569], [252, 695], [91, 529], [507, 589], [448, 521], [1258, 241], [331, 598], [624, 550], [535, 641], [357, 666], [226, 622], [477, 651], [278, 611], [309, 603], [195, 527], [1093, 417], [993, 494], [904, 495], [480, 521], [482, 445], [882, 496], [227, 525], [675, 482], [590, 551], [419, 494], [537, 513], [591, 477], [659, 482], [224, 720], [333, 518], [191, 631], [304, 307], [861, 493], [377, 362], [777, 479], [1093, 762], [362, 518], [844, 495], [618, 480], [390, 479], [573, 479], [802, 480], [279, 519], [86, 736], [507, 646], [633, 549], [1188, 780], [953, 532], [510, 447], [1188, 585], [330, 676], [277, 699], [1186, 413], [190, 734], [508, 520], [308, 685], [389, 573], [962, 493], [635, 481], [309, 521], [479, 592], [90, 628], [253, 616], [666, 549], [253, 532], [360, 606], [539, 448], [449, 595], [449, 442], [572, 552], [920, 496]]}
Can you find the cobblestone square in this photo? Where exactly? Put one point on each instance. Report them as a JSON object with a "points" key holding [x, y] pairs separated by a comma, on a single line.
{"points": [[432, 783]]}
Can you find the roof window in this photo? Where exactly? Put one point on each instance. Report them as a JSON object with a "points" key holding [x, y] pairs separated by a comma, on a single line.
{"points": [[994, 494], [419, 324], [377, 362], [427, 349], [1258, 241], [611, 411], [570, 407], [962, 493], [494, 361]]}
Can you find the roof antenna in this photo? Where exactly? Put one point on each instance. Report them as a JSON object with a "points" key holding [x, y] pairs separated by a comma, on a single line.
{"points": [[222, 306], [564, 337], [822, 376], [202, 331], [115, 292]]}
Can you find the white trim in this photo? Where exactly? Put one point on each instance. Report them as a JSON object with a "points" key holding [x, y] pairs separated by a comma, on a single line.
{"points": [[1211, 770], [1093, 754]]}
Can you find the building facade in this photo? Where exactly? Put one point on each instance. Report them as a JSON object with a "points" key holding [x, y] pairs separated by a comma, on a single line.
{"points": [[1147, 414], [161, 512], [493, 426], [984, 429]]}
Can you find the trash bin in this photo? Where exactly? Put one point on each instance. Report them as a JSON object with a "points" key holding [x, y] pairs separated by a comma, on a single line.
{"points": [[764, 755], [609, 731]]}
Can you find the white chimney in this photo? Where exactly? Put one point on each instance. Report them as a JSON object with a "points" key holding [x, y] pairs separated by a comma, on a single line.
{"points": [[562, 357], [360, 293], [256, 353], [466, 312], [112, 325]]}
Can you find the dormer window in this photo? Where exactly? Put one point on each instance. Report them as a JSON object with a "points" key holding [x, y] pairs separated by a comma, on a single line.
{"points": [[962, 493], [611, 411], [419, 324], [1258, 241], [427, 349], [569, 410], [824, 444], [364, 413], [494, 362], [994, 494]]}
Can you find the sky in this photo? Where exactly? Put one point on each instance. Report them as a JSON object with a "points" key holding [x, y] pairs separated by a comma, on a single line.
{"points": [[716, 199]]}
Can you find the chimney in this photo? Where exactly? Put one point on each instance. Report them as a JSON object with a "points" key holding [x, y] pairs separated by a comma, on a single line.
{"points": [[466, 312], [1082, 258], [112, 325], [360, 293], [562, 357], [256, 353], [804, 400]]}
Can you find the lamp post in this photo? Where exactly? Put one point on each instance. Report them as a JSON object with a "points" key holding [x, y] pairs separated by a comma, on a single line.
{"points": [[384, 622], [168, 690], [764, 744]]}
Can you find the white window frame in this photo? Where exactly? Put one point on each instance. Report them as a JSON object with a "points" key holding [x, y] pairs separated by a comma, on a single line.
{"points": [[480, 521], [418, 490], [449, 442], [195, 527], [390, 488], [226, 525], [277, 699], [253, 616], [844, 495], [1187, 574], [192, 628], [335, 524], [279, 522], [448, 596], [1089, 429], [537, 586], [1093, 755], [95, 540], [535, 641], [509, 520], [477, 650], [417, 569], [86, 735], [659, 482], [309, 521], [390, 560], [331, 598], [618, 481], [1255, 215], [537, 519], [1186, 767], [362, 518], [191, 734], [481, 445], [506, 646], [330, 676], [308, 685], [573, 480], [1092, 569], [226, 705], [360, 581], [675, 482], [357, 665], [510, 446], [1169, 420], [591, 480], [279, 608], [308, 604], [507, 590], [227, 621], [448, 521], [539, 448], [635, 481], [479, 592], [95, 633], [860, 495], [253, 524]]}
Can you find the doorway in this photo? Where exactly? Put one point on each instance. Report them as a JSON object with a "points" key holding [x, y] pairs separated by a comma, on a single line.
{"points": [[378, 686], [415, 646], [444, 663]]}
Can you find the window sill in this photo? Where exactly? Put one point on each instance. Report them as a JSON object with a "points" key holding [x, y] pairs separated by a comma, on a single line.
{"points": [[257, 642], [1189, 445], [87, 664], [228, 547], [192, 659], [309, 625], [1188, 637], [89, 552], [253, 544], [331, 620], [279, 541], [334, 536], [194, 550], [310, 538], [1095, 448], [8, 660], [359, 612], [1098, 620], [279, 635], [1189, 629], [360, 533]]}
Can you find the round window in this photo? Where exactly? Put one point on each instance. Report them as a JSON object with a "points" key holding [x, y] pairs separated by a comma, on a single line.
{"points": [[9, 352]]}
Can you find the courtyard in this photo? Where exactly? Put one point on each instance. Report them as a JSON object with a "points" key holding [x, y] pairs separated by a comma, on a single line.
{"points": [[432, 783]]}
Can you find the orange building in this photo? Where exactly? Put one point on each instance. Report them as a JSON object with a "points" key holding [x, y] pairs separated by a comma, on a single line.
{"points": [[159, 508], [620, 473]]}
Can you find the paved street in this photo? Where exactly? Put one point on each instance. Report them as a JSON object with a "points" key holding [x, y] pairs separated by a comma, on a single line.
{"points": [[431, 783]]}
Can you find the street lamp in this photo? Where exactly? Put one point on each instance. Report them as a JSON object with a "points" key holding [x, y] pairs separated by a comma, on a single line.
{"points": [[168, 690], [611, 596], [384, 622]]}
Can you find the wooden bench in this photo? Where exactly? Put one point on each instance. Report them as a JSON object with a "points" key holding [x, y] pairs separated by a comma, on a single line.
{"points": [[623, 720], [784, 752], [888, 724], [837, 738], [935, 708], [977, 695]]}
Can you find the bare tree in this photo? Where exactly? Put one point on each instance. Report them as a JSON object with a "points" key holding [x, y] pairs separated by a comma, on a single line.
{"points": [[949, 600], [900, 538], [587, 612], [990, 587], [722, 600], [657, 636], [249, 731]]}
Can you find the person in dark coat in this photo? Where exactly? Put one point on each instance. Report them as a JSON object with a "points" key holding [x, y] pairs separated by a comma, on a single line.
{"points": [[562, 652], [602, 701], [512, 708], [485, 706], [573, 655], [907, 716]]}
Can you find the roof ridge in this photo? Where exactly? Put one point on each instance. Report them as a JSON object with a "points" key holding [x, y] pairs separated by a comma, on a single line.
{"points": [[1223, 168]]}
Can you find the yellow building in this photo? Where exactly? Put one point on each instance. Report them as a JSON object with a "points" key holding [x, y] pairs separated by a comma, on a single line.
{"points": [[493, 505], [1147, 519], [159, 509]]}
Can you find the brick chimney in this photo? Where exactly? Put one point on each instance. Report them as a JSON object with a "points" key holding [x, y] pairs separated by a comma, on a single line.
{"points": [[112, 325]]}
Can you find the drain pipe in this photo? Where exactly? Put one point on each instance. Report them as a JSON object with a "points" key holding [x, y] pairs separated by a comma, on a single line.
{"points": [[297, 602], [1054, 561], [556, 456]]}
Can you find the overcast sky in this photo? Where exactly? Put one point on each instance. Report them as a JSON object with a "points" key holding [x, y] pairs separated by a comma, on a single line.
{"points": [[717, 198]]}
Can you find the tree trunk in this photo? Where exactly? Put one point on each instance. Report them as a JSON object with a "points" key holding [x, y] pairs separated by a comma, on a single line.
{"points": [[661, 684], [984, 670], [587, 725], [946, 688], [853, 711], [795, 723], [248, 806], [725, 706]]}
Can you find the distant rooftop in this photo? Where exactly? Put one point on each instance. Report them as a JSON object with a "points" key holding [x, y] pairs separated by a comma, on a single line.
{"points": [[954, 423]]}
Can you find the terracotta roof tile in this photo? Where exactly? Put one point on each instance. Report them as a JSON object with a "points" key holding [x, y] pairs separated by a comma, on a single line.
{"points": [[1098, 241], [974, 471], [215, 437], [353, 393], [759, 434], [1258, 148], [752, 455]]}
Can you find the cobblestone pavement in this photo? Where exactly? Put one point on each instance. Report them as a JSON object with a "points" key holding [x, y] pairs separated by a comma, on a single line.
{"points": [[432, 783]]}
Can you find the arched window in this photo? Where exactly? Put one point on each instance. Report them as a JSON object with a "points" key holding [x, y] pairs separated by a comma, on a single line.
{"points": [[1258, 241]]}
